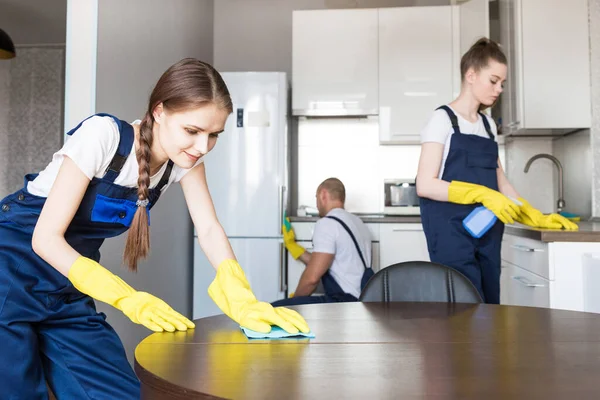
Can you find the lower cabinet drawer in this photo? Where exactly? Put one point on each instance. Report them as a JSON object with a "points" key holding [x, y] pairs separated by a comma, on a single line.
{"points": [[520, 287], [529, 254]]}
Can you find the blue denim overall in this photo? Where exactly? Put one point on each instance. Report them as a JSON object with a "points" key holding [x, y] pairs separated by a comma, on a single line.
{"points": [[472, 159], [49, 331]]}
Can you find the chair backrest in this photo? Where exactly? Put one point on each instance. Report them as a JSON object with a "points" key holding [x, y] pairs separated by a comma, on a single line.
{"points": [[420, 281]]}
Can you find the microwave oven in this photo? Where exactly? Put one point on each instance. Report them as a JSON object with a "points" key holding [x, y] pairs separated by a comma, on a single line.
{"points": [[401, 197]]}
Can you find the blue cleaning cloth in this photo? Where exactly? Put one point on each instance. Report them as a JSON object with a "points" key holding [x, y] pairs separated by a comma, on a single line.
{"points": [[568, 214], [276, 333]]}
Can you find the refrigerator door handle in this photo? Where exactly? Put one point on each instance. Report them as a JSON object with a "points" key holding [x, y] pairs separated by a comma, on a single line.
{"points": [[282, 269], [281, 210]]}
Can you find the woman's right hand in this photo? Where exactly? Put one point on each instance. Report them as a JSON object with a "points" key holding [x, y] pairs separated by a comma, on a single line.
{"points": [[469, 193]]}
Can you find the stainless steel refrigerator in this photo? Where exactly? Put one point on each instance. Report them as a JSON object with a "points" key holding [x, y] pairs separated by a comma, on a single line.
{"points": [[247, 175]]}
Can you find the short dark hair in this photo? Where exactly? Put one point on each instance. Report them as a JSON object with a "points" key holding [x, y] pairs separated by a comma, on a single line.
{"points": [[335, 188]]}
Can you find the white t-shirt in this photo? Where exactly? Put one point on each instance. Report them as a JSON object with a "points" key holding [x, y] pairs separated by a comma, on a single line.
{"points": [[92, 148], [439, 130], [330, 237]]}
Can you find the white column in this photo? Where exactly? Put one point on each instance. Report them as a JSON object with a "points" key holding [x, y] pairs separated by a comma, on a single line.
{"points": [[80, 61]]}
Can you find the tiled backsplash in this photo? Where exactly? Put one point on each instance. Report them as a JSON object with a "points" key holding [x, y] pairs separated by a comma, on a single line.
{"points": [[575, 154], [537, 186], [540, 185], [31, 103]]}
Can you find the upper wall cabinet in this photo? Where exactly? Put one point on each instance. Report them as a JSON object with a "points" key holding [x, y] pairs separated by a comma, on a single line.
{"points": [[419, 63], [548, 85], [334, 62], [415, 69]]}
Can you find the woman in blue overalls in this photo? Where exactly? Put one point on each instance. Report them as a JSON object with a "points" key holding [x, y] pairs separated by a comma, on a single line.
{"points": [[52, 229], [459, 169]]}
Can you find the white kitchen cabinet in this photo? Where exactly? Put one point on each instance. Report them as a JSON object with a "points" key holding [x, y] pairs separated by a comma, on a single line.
{"points": [[401, 242], [334, 62], [523, 288], [473, 20], [415, 69], [526, 253], [548, 85], [526, 272], [504, 284], [540, 274]]}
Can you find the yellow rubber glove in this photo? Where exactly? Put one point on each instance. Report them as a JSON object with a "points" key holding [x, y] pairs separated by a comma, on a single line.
{"points": [[91, 278], [289, 239], [231, 292], [533, 217], [469, 193]]}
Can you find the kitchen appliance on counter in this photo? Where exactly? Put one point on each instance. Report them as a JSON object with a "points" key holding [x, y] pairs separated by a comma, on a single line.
{"points": [[401, 197], [247, 178]]}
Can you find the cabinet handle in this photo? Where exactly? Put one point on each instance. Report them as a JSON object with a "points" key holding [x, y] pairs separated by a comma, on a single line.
{"points": [[526, 282], [341, 105], [526, 249]]}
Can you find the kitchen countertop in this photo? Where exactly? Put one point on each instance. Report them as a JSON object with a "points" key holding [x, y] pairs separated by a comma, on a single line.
{"points": [[588, 232], [370, 219]]}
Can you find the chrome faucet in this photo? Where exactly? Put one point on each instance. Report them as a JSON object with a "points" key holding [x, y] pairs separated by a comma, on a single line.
{"points": [[561, 201]]}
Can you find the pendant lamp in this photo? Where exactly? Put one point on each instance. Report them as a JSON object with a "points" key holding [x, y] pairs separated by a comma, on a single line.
{"points": [[7, 48]]}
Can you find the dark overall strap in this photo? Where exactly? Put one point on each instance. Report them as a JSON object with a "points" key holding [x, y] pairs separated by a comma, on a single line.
{"points": [[452, 116], [486, 124], [165, 177], [456, 127], [126, 137], [125, 142], [352, 236]]}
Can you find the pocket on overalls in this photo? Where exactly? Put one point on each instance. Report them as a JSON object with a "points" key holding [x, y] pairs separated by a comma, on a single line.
{"points": [[65, 295]]}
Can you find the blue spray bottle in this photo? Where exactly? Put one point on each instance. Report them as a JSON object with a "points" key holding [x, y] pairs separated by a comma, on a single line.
{"points": [[480, 220]]}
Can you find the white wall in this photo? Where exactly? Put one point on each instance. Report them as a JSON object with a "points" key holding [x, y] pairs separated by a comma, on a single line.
{"points": [[349, 149], [594, 9]]}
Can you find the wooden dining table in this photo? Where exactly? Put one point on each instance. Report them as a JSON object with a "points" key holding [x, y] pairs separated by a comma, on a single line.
{"points": [[383, 351]]}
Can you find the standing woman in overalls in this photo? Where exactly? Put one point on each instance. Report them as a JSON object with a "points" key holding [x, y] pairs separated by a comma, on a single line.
{"points": [[459, 170], [104, 181]]}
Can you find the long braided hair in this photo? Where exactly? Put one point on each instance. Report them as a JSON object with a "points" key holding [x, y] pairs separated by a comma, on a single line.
{"points": [[186, 85]]}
